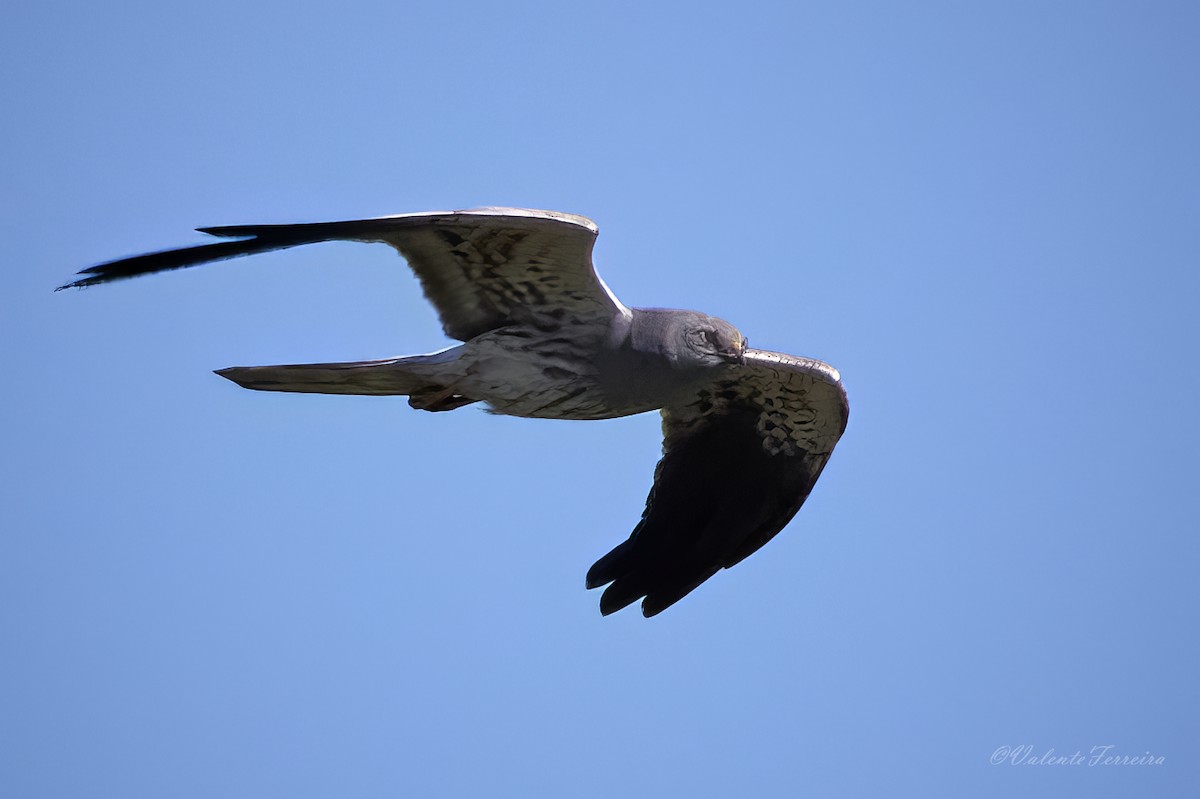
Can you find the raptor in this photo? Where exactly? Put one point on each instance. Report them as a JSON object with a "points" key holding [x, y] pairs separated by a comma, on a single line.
{"points": [[746, 432]]}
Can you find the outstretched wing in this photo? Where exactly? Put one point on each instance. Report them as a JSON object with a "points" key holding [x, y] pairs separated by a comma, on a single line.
{"points": [[481, 269], [738, 462]]}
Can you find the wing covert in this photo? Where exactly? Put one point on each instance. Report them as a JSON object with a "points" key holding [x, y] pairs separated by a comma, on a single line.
{"points": [[493, 267]]}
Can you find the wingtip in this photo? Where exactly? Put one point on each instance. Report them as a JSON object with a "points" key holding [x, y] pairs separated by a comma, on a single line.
{"points": [[618, 596], [653, 605], [221, 231], [592, 580], [607, 608], [81, 283]]}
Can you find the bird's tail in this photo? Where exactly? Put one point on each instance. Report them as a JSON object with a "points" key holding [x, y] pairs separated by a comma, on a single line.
{"points": [[426, 379]]}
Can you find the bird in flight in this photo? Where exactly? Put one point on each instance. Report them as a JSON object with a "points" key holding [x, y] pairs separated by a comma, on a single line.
{"points": [[746, 432]]}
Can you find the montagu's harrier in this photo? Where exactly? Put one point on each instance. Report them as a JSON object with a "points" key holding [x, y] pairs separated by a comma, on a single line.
{"points": [[746, 432]]}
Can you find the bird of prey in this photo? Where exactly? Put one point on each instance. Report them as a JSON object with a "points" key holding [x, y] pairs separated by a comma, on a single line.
{"points": [[746, 432]]}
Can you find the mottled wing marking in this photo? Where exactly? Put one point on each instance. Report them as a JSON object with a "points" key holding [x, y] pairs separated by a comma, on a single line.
{"points": [[487, 269], [799, 404]]}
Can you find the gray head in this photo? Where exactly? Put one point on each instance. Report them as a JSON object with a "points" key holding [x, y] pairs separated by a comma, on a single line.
{"points": [[687, 339]]}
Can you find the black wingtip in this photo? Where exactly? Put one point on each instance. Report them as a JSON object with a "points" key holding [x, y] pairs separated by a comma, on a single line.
{"points": [[223, 231], [167, 260], [667, 595], [82, 283], [285, 235], [617, 597], [609, 567]]}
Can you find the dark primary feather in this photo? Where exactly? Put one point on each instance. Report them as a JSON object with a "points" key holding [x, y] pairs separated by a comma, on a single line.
{"points": [[695, 516], [169, 259], [738, 462], [253, 239]]}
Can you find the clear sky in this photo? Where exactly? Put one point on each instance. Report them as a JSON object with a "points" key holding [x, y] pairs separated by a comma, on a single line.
{"points": [[984, 214]]}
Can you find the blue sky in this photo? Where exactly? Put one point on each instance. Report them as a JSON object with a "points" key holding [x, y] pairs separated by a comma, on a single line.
{"points": [[985, 215]]}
